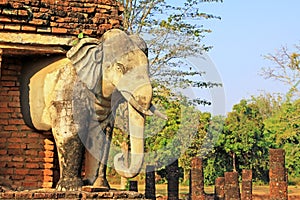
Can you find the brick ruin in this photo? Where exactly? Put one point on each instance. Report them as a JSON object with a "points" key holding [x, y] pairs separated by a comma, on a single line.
{"points": [[32, 30]]}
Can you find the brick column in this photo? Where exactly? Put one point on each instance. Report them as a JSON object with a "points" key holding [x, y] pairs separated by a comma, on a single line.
{"points": [[133, 186], [220, 188], [173, 181], [232, 188], [197, 180], [150, 182], [278, 175], [247, 184]]}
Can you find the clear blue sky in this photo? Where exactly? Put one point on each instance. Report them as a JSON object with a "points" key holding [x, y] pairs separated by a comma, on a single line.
{"points": [[247, 31]]}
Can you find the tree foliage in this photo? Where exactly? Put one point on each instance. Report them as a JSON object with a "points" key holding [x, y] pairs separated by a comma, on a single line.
{"points": [[243, 137], [251, 128], [283, 130], [173, 31], [263, 122], [167, 140]]}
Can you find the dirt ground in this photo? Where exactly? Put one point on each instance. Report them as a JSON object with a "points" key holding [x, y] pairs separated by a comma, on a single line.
{"points": [[161, 190]]}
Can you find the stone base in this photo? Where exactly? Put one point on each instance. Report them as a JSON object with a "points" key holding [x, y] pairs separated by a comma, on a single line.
{"points": [[93, 189], [53, 194]]}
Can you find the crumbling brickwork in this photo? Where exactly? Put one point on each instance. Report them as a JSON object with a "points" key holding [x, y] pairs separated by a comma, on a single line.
{"points": [[26, 156], [91, 17], [278, 175]]}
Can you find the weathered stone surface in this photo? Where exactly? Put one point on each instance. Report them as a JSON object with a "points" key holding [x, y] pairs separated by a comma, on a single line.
{"points": [[93, 189], [278, 175], [73, 97], [232, 190], [34, 39], [197, 180], [52, 194], [247, 184], [219, 188]]}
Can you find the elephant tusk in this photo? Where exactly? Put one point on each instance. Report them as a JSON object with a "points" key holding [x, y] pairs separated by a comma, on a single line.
{"points": [[129, 97], [157, 112], [151, 111], [139, 108]]}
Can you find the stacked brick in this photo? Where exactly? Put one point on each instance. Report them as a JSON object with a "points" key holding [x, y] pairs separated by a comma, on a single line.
{"points": [[91, 17], [26, 156], [232, 188], [197, 180], [278, 175], [247, 184], [219, 188]]}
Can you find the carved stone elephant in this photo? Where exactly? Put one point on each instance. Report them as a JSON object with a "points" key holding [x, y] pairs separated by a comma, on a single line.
{"points": [[75, 97]]}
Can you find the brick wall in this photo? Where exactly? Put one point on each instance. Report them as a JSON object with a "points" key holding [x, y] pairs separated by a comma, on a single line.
{"points": [[92, 17], [26, 156]]}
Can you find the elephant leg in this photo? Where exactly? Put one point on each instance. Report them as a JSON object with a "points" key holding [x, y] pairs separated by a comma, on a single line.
{"points": [[69, 146], [101, 180], [91, 168], [97, 148]]}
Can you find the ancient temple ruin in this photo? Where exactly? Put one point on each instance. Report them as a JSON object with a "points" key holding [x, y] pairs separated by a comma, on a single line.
{"points": [[31, 30]]}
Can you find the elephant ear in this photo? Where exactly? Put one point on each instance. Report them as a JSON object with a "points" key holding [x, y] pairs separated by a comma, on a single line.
{"points": [[140, 43], [87, 58]]}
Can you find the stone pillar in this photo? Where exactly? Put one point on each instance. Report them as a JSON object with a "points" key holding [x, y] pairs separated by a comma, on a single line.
{"points": [[150, 182], [173, 181], [247, 184], [220, 188], [232, 188], [278, 175], [133, 186], [197, 180]]}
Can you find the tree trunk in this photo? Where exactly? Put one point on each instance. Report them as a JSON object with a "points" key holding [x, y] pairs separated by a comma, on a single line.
{"points": [[234, 162], [186, 175]]}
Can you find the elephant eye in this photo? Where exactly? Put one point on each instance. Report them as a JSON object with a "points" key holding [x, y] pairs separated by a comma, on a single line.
{"points": [[120, 67]]}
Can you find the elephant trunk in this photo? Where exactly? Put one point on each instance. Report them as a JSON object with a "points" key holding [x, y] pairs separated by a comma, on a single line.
{"points": [[136, 128]]}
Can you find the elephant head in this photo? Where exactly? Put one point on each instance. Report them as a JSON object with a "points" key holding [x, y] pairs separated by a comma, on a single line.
{"points": [[118, 63]]}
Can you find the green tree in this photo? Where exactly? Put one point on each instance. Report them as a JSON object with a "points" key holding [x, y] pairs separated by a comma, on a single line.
{"points": [[267, 104], [216, 162], [199, 143], [283, 129], [243, 139], [167, 140]]}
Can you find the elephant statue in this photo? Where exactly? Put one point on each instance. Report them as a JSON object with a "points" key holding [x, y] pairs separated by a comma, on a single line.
{"points": [[76, 97]]}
